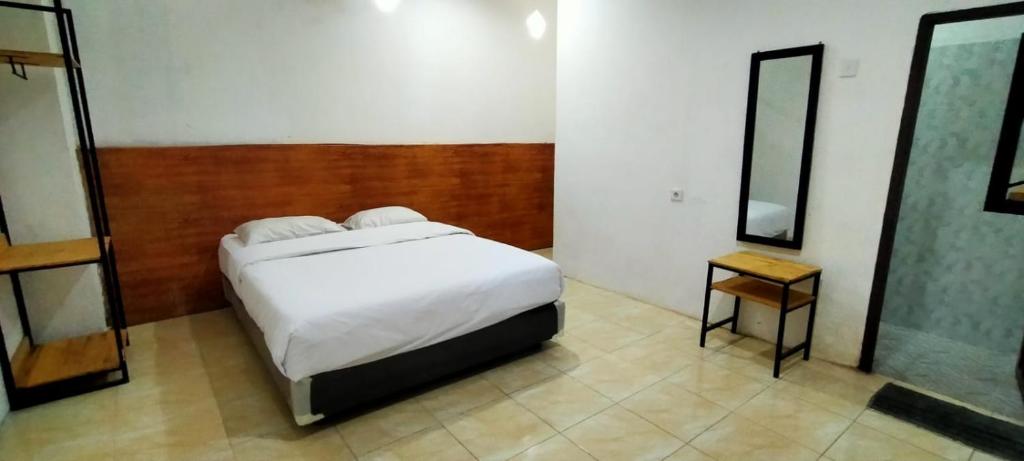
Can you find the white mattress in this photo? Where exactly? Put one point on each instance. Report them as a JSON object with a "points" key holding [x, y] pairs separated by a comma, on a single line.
{"points": [[337, 300], [767, 219]]}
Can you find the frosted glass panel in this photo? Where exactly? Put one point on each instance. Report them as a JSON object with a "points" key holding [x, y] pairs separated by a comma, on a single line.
{"points": [[953, 318]]}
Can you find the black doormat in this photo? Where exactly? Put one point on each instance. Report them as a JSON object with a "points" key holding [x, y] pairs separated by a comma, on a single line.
{"points": [[988, 434]]}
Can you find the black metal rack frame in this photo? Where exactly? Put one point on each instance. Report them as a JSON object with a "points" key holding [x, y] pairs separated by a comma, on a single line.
{"points": [[26, 397]]}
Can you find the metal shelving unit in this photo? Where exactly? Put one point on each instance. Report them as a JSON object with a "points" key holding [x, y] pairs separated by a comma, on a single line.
{"points": [[39, 373]]}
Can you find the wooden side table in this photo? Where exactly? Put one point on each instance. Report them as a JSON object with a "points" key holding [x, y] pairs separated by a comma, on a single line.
{"points": [[764, 280]]}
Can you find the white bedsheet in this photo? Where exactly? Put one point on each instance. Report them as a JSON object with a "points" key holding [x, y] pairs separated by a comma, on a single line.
{"points": [[767, 219], [337, 300]]}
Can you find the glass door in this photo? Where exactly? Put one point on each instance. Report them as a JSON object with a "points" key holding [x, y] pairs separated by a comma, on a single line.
{"points": [[952, 316]]}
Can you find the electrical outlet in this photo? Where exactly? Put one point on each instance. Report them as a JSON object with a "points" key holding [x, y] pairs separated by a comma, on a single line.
{"points": [[677, 195]]}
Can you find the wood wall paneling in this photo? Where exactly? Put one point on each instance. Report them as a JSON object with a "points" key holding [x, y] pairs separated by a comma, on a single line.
{"points": [[169, 206]]}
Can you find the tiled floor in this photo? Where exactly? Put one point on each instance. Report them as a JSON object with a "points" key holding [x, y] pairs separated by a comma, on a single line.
{"points": [[626, 381]]}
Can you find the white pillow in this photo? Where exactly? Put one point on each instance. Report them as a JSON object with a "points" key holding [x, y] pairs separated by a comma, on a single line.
{"points": [[273, 229], [386, 216]]}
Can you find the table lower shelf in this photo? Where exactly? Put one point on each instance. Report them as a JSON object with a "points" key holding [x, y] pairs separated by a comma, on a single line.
{"points": [[68, 358], [761, 292]]}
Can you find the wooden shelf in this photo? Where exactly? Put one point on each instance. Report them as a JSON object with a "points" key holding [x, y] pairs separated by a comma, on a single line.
{"points": [[60, 360], [34, 256], [779, 270], [762, 292], [32, 58], [1016, 194]]}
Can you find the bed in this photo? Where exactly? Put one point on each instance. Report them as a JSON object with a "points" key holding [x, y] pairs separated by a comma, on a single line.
{"points": [[347, 319], [768, 219]]}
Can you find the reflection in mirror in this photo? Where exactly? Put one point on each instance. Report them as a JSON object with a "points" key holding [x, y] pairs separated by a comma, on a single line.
{"points": [[780, 129], [778, 146], [1016, 186], [1006, 184]]}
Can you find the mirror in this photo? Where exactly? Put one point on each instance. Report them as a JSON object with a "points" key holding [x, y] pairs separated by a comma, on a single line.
{"points": [[782, 104], [1006, 186]]}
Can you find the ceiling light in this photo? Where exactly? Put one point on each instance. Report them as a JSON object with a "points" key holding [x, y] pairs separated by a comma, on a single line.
{"points": [[536, 24], [387, 6]]}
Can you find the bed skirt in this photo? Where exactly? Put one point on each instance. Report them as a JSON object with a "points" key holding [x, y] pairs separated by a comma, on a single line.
{"points": [[340, 391]]}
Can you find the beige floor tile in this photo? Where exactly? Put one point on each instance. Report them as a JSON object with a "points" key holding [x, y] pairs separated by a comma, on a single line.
{"points": [[84, 424], [162, 359], [562, 401], [373, 430], [320, 443], [606, 336], [430, 444], [235, 380], [215, 324], [754, 358], [680, 412], [567, 352], [520, 373], [842, 382], [717, 384], [656, 356], [74, 450], [199, 436], [460, 396], [226, 350], [604, 305], [720, 338], [982, 456], [682, 337], [800, 421], [647, 319], [146, 400], [575, 318], [498, 430], [736, 438], [14, 439], [575, 289], [689, 453], [862, 443], [613, 377], [919, 437], [848, 408], [557, 448], [617, 434], [255, 415]]}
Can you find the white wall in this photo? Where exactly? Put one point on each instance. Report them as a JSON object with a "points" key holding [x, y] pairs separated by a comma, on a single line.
{"points": [[289, 71], [42, 190], [652, 95]]}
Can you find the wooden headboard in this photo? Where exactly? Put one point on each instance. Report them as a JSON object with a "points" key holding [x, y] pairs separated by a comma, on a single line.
{"points": [[169, 206]]}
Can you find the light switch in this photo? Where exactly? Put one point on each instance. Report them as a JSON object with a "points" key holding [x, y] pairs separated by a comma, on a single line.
{"points": [[848, 68], [677, 195]]}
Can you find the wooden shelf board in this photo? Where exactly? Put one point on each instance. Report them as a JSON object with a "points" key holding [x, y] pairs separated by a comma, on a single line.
{"points": [[17, 258], [34, 58], [776, 269], [60, 360], [762, 292], [1016, 194]]}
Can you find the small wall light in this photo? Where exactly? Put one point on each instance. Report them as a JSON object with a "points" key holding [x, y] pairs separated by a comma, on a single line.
{"points": [[387, 6], [536, 25]]}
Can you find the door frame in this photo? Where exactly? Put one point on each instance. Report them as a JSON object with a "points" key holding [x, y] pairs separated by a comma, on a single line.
{"points": [[904, 143]]}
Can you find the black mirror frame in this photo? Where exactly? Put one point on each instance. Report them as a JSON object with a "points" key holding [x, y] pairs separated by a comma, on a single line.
{"points": [[1006, 150], [816, 52]]}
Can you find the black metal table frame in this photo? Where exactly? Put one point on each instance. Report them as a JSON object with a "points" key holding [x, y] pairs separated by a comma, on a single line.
{"points": [[780, 355]]}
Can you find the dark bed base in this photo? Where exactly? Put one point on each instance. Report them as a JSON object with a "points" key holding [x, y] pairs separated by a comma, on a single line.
{"points": [[346, 390], [349, 388]]}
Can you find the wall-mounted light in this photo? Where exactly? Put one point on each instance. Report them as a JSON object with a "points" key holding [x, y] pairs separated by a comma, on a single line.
{"points": [[536, 25], [387, 6]]}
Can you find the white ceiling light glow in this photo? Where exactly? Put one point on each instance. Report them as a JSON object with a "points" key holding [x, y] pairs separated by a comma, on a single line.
{"points": [[536, 25], [387, 6]]}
